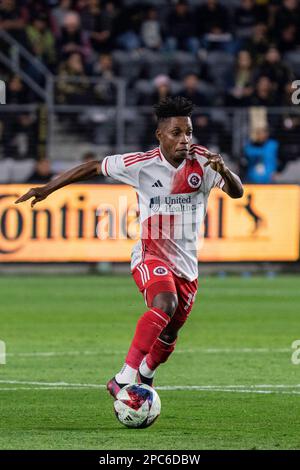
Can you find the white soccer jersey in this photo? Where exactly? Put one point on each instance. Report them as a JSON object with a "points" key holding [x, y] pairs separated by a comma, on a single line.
{"points": [[172, 204]]}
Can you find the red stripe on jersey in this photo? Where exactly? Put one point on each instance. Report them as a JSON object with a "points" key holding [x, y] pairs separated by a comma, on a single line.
{"points": [[137, 160], [105, 167], [152, 151], [139, 155], [131, 156], [196, 146], [198, 152], [140, 160]]}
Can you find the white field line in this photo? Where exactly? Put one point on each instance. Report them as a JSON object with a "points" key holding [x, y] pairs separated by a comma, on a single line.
{"points": [[51, 384], [258, 389], [179, 351], [165, 387], [222, 390], [14, 389]]}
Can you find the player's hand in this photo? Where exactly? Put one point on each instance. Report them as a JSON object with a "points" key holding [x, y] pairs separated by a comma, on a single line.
{"points": [[37, 193], [215, 161]]}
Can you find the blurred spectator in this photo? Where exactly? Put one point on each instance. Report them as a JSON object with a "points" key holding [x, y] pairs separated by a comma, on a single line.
{"points": [[146, 122], [274, 68], [128, 26], [105, 91], [17, 92], [42, 172], [162, 89], [201, 129], [261, 155], [288, 135], [191, 91], [289, 129], [181, 29], [240, 81], [58, 15], [247, 15], [37, 7], [151, 34], [287, 38], [98, 22], [41, 41], [258, 43], [264, 94], [18, 129], [89, 11], [73, 86], [288, 14], [210, 133], [213, 27], [19, 136], [72, 38], [13, 19], [212, 17], [104, 67]]}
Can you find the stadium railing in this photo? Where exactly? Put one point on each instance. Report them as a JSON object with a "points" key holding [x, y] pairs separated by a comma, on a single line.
{"points": [[64, 132]]}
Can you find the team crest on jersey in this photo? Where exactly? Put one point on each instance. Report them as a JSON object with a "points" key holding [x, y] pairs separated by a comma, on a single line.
{"points": [[160, 271], [194, 180]]}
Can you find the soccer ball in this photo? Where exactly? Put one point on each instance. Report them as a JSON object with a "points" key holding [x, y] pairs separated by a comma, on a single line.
{"points": [[137, 405]]}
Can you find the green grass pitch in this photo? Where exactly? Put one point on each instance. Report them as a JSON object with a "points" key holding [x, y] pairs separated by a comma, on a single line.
{"points": [[238, 388]]}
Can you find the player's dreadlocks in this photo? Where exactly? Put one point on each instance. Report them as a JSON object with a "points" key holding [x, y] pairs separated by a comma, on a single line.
{"points": [[171, 107]]}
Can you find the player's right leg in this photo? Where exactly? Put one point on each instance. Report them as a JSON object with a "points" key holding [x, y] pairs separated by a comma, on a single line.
{"points": [[156, 282]]}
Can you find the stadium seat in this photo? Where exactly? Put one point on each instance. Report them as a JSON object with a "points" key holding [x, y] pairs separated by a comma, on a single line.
{"points": [[293, 59], [184, 63], [22, 170], [154, 64], [219, 65], [5, 170], [128, 64], [291, 173]]}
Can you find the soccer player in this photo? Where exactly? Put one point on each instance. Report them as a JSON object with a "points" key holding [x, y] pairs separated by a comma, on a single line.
{"points": [[173, 182]]}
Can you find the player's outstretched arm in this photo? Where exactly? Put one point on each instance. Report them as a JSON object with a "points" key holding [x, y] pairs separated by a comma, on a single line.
{"points": [[78, 173], [233, 185]]}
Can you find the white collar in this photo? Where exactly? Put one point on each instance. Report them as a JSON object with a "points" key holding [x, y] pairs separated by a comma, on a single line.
{"points": [[167, 163]]}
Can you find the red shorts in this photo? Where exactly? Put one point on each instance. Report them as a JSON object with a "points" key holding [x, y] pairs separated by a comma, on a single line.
{"points": [[153, 277]]}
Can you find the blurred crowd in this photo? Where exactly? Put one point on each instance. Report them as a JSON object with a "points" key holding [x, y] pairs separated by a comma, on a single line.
{"points": [[247, 51], [217, 53]]}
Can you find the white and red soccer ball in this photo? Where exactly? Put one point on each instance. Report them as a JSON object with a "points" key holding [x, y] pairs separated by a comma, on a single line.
{"points": [[137, 406]]}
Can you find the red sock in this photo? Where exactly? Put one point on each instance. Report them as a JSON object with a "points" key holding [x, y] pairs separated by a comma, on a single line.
{"points": [[148, 328], [159, 353]]}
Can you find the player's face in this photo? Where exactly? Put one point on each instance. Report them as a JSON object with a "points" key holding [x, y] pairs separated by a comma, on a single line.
{"points": [[175, 136]]}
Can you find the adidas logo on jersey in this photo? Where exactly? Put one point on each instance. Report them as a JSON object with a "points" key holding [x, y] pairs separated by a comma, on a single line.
{"points": [[157, 184]]}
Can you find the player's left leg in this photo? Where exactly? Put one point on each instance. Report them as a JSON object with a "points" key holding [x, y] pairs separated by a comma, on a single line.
{"points": [[165, 344], [159, 353], [156, 282]]}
